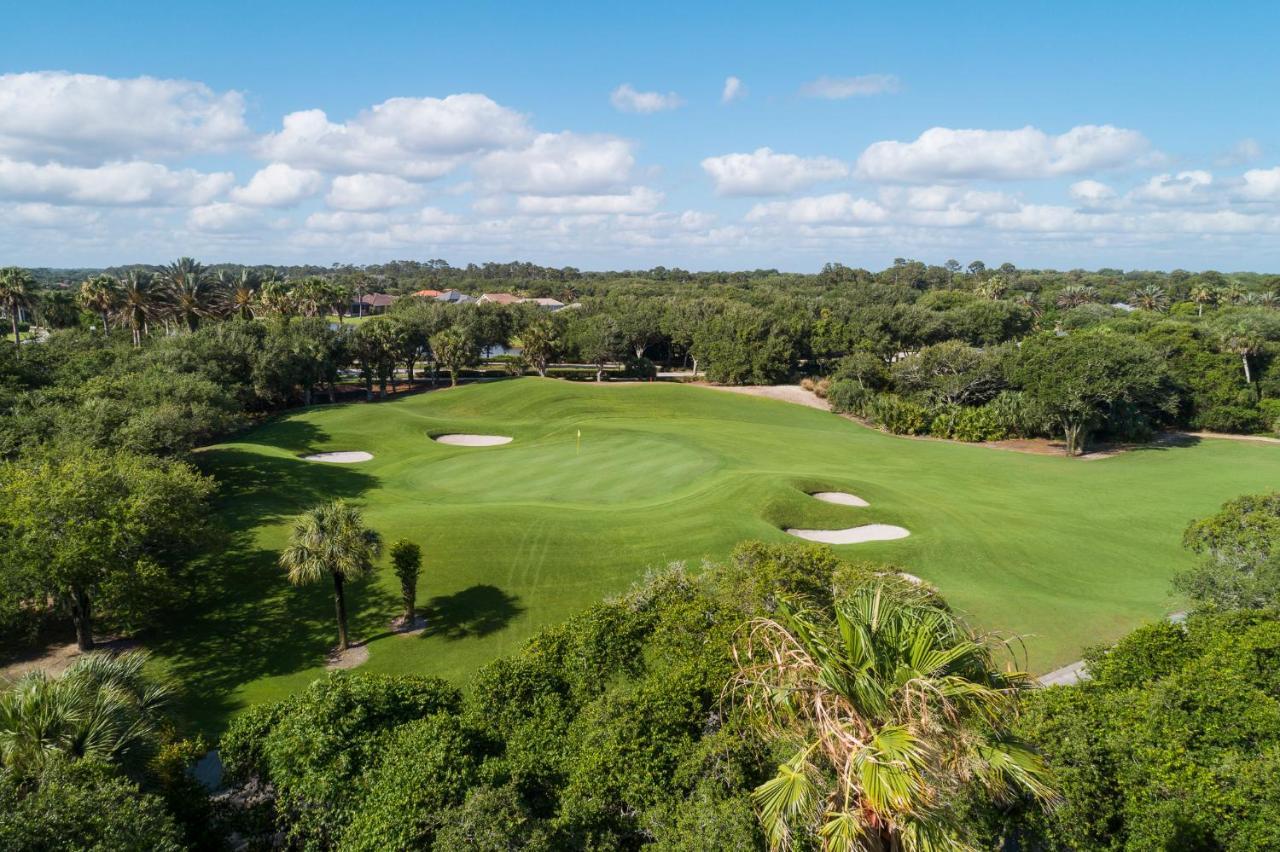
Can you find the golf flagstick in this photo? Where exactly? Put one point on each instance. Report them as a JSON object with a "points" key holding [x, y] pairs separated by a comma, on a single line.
{"points": [[578, 451]]}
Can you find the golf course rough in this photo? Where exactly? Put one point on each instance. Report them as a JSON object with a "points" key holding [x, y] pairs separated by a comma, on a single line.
{"points": [[1064, 553]]}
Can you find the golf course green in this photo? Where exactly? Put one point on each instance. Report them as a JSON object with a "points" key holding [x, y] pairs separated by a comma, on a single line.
{"points": [[1064, 553]]}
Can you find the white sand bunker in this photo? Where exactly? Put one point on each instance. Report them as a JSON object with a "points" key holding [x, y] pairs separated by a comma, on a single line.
{"points": [[473, 440], [341, 458], [839, 497], [853, 535]]}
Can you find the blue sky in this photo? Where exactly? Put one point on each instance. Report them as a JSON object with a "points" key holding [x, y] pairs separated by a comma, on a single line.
{"points": [[1067, 135]]}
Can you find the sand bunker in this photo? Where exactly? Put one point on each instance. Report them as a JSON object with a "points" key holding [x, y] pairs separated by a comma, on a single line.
{"points": [[839, 497], [341, 458], [473, 440], [853, 535]]}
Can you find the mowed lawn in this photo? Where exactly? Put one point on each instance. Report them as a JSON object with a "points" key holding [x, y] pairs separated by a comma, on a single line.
{"points": [[1065, 553]]}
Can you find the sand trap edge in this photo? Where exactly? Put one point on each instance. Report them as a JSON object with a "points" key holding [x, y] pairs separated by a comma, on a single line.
{"points": [[462, 440], [344, 457], [852, 535], [840, 498]]}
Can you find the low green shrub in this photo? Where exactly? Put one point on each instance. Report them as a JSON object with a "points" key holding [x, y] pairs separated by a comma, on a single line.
{"points": [[848, 397], [895, 414]]}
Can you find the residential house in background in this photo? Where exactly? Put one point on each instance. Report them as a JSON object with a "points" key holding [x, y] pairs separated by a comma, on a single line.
{"points": [[371, 304]]}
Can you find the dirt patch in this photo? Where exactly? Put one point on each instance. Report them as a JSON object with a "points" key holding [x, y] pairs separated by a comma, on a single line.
{"points": [[55, 659], [355, 655], [400, 627]]}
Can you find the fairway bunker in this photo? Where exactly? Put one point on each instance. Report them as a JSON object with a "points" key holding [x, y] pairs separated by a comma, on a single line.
{"points": [[346, 457], [841, 498], [852, 535], [473, 440]]}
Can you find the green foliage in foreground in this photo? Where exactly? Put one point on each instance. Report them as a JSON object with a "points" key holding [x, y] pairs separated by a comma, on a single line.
{"points": [[1174, 744], [611, 731]]}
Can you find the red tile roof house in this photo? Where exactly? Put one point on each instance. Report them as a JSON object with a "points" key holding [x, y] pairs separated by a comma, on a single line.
{"points": [[500, 298], [429, 294]]}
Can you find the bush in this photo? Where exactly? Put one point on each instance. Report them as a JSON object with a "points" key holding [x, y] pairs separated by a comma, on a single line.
{"points": [[849, 397], [895, 414], [640, 368], [1230, 418], [1017, 415], [83, 805], [1270, 409], [427, 766]]}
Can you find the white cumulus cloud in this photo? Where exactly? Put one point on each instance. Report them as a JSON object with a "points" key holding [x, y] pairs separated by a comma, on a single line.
{"points": [[1189, 187], [371, 192], [943, 153], [111, 184], [839, 88], [84, 118], [837, 207], [560, 164], [765, 172], [1091, 191], [734, 90], [1261, 184], [414, 137], [626, 99], [639, 200], [278, 185]]}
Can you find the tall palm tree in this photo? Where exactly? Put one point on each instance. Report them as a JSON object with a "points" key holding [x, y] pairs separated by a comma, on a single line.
{"points": [[276, 297], [1243, 337], [888, 710], [104, 706], [1203, 295], [140, 301], [331, 540], [1151, 298], [1233, 293], [192, 294], [101, 295], [1075, 295], [17, 293], [243, 294]]}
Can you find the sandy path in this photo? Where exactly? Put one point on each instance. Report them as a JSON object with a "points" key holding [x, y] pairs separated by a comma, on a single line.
{"points": [[783, 393], [853, 535]]}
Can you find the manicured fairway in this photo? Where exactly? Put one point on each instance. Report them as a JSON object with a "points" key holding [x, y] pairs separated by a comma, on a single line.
{"points": [[1066, 553]]}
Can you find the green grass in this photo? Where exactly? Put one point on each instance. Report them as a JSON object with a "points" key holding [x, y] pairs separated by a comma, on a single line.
{"points": [[1066, 553]]}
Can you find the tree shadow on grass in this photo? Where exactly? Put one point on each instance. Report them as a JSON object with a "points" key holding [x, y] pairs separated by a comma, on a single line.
{"points": [[245, 621], [288, 432], [474, 612]]}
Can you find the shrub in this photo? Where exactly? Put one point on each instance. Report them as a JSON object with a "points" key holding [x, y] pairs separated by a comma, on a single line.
{"points": [[1229, 418], [849, 397], [945, 419], [1270, 409], [895, 414], [818, 387], [975, 424], [1017, 415]]}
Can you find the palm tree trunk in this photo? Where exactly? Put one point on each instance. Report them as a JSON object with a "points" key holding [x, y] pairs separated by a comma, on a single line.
{"points": [[453, 377], [1248, 376], [13, 318], [340, 606], [82, 616]]}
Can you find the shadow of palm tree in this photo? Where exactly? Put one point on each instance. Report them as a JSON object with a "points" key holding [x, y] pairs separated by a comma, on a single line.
{"points": [[471, 613], [245, 621]]}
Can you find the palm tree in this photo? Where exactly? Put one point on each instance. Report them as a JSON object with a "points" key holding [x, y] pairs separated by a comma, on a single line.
{"points": [[1075, 295], [1029, 301], [1243, 337], [1233, 293], [276, 297], [1151, 298], [17, 293], [331, 540], [139, 301], [1203, 295], [243, 294], [104, 706], [101, 295], [888, 711], [191, 294]]}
